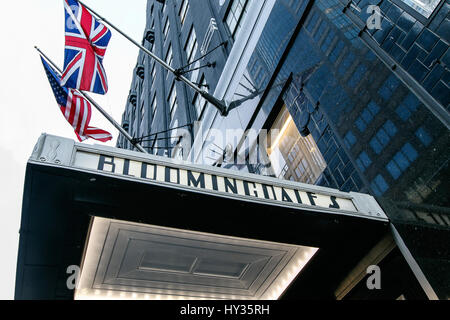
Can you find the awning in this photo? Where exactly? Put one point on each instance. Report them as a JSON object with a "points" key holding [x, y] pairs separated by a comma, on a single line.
{"points": [[147, 227]]}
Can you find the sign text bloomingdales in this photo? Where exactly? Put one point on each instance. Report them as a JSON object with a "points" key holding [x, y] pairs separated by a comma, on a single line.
{"points": [[215, 183]]}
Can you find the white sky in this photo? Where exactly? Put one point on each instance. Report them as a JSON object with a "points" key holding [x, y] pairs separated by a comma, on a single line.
{"points": [[28, 107]]}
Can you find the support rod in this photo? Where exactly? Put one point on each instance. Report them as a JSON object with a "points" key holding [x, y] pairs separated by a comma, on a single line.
{"points": [[219, 104]]}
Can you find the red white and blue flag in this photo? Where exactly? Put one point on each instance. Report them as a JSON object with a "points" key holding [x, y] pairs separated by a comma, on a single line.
{"points": [[75, 108], [86, 43]]}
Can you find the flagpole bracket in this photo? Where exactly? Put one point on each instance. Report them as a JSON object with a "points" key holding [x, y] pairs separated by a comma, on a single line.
{"points": [[219, 104], [178, 73]]}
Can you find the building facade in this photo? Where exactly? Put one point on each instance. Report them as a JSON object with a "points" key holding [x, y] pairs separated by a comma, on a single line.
{"points": [[352, 96]]}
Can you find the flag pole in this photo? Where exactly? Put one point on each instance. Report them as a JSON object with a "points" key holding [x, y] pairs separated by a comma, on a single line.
{"points": [[100, 109], [219, 104]]}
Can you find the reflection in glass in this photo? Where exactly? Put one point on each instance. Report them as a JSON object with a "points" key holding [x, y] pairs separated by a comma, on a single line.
{"points": [[293, 157], [424, 7]]}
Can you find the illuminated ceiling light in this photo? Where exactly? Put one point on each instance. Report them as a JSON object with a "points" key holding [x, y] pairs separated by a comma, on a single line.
{"points": [[298, 258], [281, 284]]}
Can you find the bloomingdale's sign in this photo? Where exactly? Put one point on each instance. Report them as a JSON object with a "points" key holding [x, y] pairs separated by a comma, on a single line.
{"points": [[213, 183]]}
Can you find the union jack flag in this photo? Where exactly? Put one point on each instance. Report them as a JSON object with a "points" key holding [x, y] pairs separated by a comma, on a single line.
{"points": [[86, 43], [75, 108]]}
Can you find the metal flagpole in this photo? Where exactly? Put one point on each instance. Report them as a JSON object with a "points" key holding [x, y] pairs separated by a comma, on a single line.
{"points": [[220, 105], [103, 112]]}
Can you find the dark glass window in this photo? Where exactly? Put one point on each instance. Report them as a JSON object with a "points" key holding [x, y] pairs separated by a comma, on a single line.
{"points": [[357, 76], [379, 185], [424, 136], [346, 63], [408, 106], [363, 161], [402, 161], [383, 137], [200, 102], [367, 116], [334, 55], [389, 86], [166, 28], [350, 139], [328, 40]]}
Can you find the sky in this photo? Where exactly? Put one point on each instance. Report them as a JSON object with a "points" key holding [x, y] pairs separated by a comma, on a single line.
{"points": [[27, 104]]}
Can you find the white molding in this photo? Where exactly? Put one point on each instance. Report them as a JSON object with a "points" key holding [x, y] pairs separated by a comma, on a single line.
{"points": [[243, 48]]}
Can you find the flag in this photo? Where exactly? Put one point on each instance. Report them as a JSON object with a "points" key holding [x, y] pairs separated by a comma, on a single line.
{"points": [[86, 42], [75, 108]]}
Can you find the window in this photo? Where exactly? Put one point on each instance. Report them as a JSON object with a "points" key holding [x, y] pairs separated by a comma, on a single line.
{"points": [[236, 16], [346, 63], [383, 137], [424, 136], [320, 32], [173, 103], [200, 102], [191, 46], [367, 116], [169, 56], [401, 161], [166, 28], [183, 10], [408, 106], [328, 40], [153, 75], [379, 185], [357, 76], [155, 145], [291, 155], [154, 106], [389, 87], [312, 21], [363, 161], [142, 112], [334, 55], [350, 139], [409, 151]]}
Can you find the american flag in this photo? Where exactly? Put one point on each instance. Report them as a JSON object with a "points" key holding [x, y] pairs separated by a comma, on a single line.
{"points": [[75, 108], [86, 42]]}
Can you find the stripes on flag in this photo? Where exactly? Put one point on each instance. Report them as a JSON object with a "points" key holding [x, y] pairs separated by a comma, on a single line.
{"points": [[78, 113], [75, 108]]}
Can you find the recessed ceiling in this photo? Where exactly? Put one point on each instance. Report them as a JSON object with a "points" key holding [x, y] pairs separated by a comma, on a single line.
{"points": [[126, 260]]}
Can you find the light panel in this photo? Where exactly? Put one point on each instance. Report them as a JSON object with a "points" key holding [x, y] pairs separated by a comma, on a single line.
{"points": [[115, 249]]}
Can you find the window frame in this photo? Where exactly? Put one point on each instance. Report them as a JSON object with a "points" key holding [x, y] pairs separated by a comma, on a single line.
{"points": [[154, 106], [166, 28], [182, 12], [229, 11], [173, 103], [200, 99], [190, 56]]}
